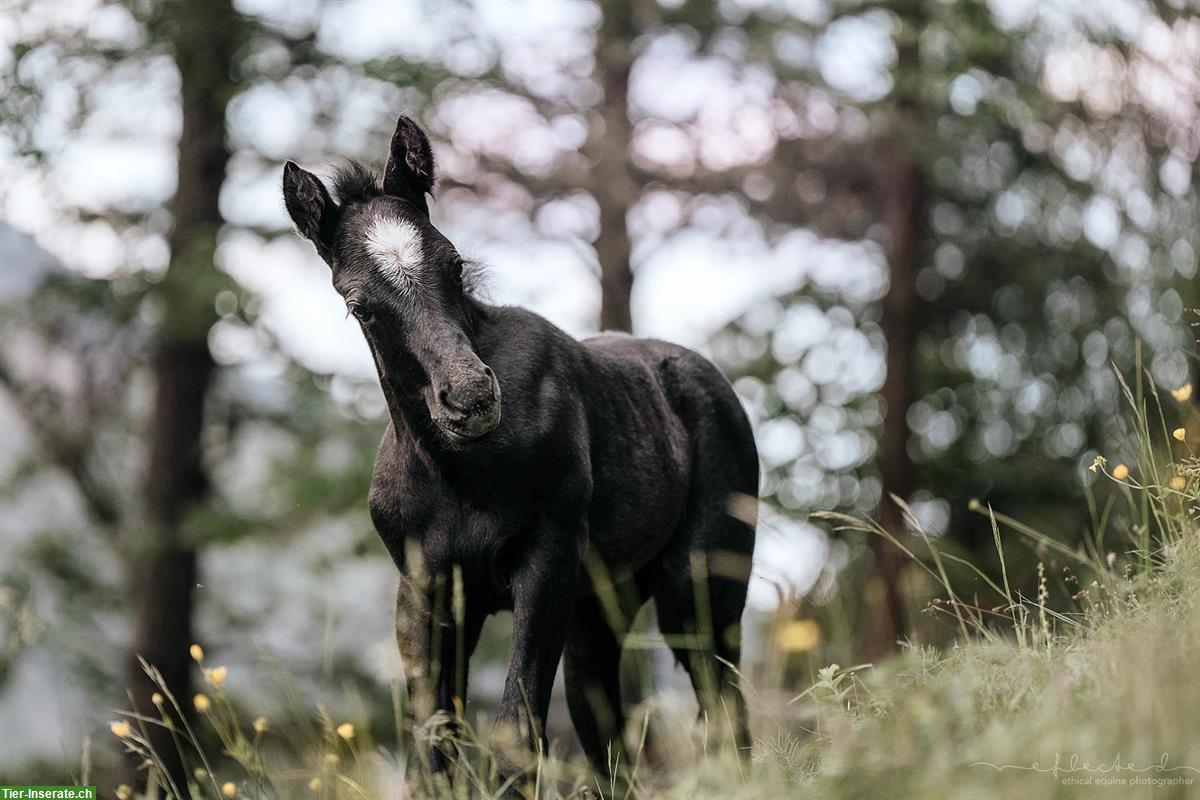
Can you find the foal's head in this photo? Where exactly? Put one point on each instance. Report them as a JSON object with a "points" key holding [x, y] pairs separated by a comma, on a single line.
{"points": [[402, 280]]}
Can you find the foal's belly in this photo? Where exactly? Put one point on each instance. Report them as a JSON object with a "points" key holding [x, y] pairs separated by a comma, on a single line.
{"points": [[640, 451], [629, 538], [639, 497]]}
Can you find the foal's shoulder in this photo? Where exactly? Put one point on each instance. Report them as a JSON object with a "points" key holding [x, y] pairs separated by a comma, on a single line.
{"points": [[527, 347], [520, 325]]}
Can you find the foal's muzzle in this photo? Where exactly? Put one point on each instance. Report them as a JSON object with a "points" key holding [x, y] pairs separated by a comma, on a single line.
{"points": [[468, 406]]}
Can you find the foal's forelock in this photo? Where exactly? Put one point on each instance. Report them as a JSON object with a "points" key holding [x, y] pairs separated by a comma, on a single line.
{"points": [[395, 246]]}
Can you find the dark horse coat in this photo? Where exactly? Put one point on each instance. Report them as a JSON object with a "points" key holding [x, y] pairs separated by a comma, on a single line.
{"points": [[568, 481]]}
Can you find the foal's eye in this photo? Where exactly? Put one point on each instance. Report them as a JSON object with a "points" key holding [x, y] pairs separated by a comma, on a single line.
{"points": [[458, 271], [363, 314]]}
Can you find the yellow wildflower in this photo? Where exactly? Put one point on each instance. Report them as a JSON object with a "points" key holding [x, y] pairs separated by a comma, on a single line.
{"points": [[1179, 433], [1183, 392], [1098, 463], [1120, 472], [315, 784], [331, 758], [120, 728], [197, 653], [216, 676], [157, 699], [798, 635], [124, 792], [229, 789], [200, 773], [261, 725], [202, 703], [1178, 483], [346, 731]]}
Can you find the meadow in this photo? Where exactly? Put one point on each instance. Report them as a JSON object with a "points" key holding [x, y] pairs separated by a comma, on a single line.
{"points": [[1028, 700]]}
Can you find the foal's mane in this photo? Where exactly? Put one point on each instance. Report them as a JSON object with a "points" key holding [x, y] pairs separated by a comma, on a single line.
{"points": [[355, 183]]}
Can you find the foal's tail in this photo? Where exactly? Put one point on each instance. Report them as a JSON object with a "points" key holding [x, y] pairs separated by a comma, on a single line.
{"points": [[722, 505], [716, 535], [724, 455]]}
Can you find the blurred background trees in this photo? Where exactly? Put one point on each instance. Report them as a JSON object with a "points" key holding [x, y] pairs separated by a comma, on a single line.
{"points": [[1033, 240], [918, 235]]}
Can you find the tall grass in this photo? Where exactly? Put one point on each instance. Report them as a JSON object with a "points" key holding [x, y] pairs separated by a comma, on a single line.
{"points": [[1028, 701]]}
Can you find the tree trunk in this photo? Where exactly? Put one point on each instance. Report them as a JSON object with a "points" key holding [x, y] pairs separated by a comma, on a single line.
{"points": [[203, 38], [904, 211], [612, 184]]}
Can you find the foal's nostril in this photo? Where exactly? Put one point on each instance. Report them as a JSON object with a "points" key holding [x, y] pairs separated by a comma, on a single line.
{"points": [[470, 404], [488, 371], [470, 397]]}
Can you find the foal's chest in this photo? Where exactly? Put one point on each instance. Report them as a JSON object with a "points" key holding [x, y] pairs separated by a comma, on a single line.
{"points": [[451, 525]]}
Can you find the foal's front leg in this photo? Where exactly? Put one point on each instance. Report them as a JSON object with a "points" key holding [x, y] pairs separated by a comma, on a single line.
{"points": [[436, 644], [542, 591]]}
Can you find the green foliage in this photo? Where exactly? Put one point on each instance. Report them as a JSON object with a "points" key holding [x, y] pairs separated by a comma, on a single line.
{"points": [[1026, 301]]}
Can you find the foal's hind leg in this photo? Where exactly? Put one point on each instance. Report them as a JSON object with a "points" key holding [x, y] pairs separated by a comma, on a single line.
{"points": [[600, 621], [706, 568], [699, 604], [591, 671]]}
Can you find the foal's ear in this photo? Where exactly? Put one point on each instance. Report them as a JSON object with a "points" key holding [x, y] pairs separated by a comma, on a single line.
{"points": [[410, 171], [310, 207]]}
